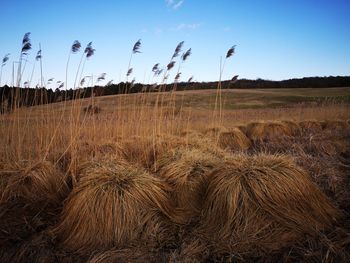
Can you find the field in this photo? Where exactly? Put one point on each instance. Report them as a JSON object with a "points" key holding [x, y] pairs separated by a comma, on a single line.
{"points": [[187, 176]]}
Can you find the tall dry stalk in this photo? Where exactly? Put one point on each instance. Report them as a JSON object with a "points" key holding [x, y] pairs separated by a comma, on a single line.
{"points": [[26, 46], [136, 49], [218, 98], [88, 52], [3, 63], [73, 50]]}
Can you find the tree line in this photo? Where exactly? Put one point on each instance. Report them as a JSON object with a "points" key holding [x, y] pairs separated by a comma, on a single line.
{"points": [[12, 97]]}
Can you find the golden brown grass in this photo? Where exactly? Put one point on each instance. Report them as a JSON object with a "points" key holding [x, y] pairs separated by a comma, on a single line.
{"points": [[36, 182], [114, 205], [260, 204], [268, 130], [311, 125], [234, 140], [154, 181], [334, 124], [187, 172]]}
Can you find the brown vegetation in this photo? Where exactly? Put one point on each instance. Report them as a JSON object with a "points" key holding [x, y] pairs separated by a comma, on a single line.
{"points": [[140, 183], [114, 205], [260, 204], [187, 172]]}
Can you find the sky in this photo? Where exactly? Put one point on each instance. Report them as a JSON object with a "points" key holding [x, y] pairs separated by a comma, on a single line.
{"points": [[276, 39]]}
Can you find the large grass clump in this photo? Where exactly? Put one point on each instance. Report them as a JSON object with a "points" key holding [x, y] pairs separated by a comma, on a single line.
{"points": [[234, 140], [260, 204], [187, 171], [260, 131], [31, 197], [114, 205]]}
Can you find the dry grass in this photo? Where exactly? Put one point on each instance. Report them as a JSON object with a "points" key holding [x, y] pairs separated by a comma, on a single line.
{"points": [[258, 131], [148, 180], [260, 204], [311, 125], [234, 140], [114, 205], [36, 182], [187, 172]]}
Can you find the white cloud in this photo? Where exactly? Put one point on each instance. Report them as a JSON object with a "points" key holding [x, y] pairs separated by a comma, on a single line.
{"points": [[174, 4], [226, 29], [158, 31], [178, 4], [184, 26]]}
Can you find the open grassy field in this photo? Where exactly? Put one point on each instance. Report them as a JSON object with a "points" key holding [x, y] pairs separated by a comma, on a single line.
{"points": [[191, 176]]}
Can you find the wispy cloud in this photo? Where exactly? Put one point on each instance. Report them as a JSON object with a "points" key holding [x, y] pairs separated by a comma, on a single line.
{"points": [[174, 4], [178, 4], [227, 29], [184, 26], [158, 31]]}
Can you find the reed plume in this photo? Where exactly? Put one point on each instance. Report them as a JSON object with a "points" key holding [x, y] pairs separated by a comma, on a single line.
{"points": [[109, 83], [177, 50], [170, 65], [26, 46], [137, 46], [73, 50], [155, 68], [82, 82], [231, 51], [88, 52], [101, 77], [177, 77], [136, 49], [4, 60], [234, 79], [129, 72], [186, 54], [229, 54], [39, 57]]}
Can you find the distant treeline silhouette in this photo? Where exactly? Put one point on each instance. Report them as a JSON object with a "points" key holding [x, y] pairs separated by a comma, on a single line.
{"points": [[12, 97]]}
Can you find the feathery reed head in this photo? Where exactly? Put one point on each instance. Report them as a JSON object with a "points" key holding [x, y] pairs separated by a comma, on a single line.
{"points": [[137, 46], [158, 72], [82, 82], [171, 65], [109, 83], [129, 72], [234, 79], [186, 54], [101, 77], [50, 79], [190, 79], [61, 85], [177, 77], [5, 59], [89, 50], [231, 51], [38, 55], [76, 47], [26, 45], [155, 68], [178, 49]]}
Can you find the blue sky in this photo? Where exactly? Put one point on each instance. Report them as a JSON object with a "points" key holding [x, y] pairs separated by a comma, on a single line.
{"points": [[276, 39]]}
